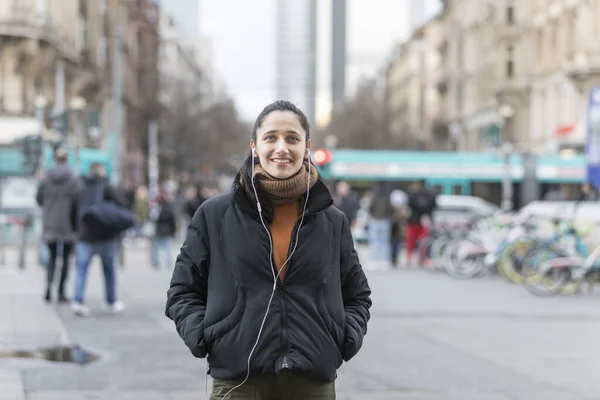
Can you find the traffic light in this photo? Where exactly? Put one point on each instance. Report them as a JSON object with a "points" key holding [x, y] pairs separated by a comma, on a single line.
{"points": [[322, 157]]}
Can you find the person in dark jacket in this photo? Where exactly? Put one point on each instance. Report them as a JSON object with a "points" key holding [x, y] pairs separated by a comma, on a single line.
{"points": [[93, 243], [268, 285], [347, 201], [57, 195], [587, 193], [165, 229], [421, 203]]}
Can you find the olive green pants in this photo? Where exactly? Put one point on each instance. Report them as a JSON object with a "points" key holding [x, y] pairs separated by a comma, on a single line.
{"points": [[285, 386]]}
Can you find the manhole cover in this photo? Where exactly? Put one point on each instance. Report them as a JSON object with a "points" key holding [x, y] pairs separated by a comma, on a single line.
{"points": [[64, 354]]}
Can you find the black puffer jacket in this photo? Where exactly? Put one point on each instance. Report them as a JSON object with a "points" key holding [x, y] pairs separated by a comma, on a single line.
{"points": [[223, 280]]}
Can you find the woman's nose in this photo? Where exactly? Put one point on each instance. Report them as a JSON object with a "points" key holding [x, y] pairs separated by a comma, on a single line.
{"points": [[281, 146]]}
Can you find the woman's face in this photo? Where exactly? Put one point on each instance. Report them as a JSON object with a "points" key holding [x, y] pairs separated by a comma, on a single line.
{"points": [[281, 144]]}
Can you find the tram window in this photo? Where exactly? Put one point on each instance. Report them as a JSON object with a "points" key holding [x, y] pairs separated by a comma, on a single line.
{"points": [[457, 189], [436, 189]]}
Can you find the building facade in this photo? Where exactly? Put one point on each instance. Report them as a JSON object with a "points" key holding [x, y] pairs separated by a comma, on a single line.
{"points": [[566, 65], [413, 102], [51, 54], [487, 65], [296, 50], [141, 83]]}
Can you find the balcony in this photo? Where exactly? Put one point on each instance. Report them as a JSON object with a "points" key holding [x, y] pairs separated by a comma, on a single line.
{"points": [[29, 19], [583, 69]]}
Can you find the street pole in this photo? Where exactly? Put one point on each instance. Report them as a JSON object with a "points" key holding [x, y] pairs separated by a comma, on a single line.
{"points": [[40, 111], [78, 105], [153, 172], [78, 139], [507, 112], [507, 192], [117, 93]]}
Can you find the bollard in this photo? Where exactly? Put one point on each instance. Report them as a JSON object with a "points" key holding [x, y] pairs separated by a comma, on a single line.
{"points": [[23, 246], [3, 238]]}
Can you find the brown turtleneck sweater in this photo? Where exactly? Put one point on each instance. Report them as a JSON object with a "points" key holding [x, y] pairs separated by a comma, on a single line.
{"points": [[281, 230]]}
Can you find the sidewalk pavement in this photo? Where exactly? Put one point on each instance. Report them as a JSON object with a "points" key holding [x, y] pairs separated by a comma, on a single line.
{"points": [[430, 338], [25, 322]]}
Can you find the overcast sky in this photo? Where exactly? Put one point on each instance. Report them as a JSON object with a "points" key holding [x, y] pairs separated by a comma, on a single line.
{"points": [[243, 34]]}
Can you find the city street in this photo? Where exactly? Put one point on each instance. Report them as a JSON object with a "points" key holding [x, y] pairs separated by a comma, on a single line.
{"points": [[430, 337]]}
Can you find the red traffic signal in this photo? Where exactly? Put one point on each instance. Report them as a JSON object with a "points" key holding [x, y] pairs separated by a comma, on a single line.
{"points": [[322, 157]]}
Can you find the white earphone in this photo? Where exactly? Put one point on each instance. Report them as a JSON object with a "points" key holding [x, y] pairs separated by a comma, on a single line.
{"points": [[275, 276]]}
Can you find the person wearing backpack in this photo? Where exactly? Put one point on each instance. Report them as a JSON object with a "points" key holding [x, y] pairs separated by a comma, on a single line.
{"points": [[96, 241]]}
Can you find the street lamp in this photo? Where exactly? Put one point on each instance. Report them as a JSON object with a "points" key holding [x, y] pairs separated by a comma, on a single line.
{"points": [[78, 104], [506, 112], [40, 101], [507, 192]]}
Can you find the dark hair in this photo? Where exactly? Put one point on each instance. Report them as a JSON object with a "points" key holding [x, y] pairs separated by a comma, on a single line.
{"points": [[281, 105], [246, 169], [96, 168], [61, 155]]}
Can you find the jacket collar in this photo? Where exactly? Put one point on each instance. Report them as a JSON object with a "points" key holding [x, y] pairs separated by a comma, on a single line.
{"points": [[319, 198]]}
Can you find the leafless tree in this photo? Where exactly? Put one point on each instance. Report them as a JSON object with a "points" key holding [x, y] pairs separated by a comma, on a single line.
{"points": [[197, 133], [360, 123]]}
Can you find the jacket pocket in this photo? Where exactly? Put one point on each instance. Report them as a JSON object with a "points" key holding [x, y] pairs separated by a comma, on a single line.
{"points": [[335, 331], [222, 327]]}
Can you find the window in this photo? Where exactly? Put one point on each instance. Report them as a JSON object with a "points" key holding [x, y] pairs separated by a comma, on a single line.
{"points": [[509, 62], [510, 15]]}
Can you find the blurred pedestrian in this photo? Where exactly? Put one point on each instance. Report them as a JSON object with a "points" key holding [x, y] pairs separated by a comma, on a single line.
{"points": [[93, 241], [165, 230], [141, 210], [381, 215], [347, 201], [57, 194], [421, 203]]}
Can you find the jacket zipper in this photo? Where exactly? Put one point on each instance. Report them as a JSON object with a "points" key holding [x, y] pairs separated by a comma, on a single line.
{"points": [[281, 287]]}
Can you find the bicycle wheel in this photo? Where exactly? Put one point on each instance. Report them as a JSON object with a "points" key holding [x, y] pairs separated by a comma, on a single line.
{"points": [[437, 251], [540, 280], [511, 259], [465, 260]]}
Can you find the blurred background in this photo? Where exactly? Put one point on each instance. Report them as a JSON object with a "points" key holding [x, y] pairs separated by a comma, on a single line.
{"points": [[165, 92], [494, 105]]}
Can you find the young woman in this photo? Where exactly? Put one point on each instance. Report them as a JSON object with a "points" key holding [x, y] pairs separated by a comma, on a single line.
{"points": [[268, 285]]}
